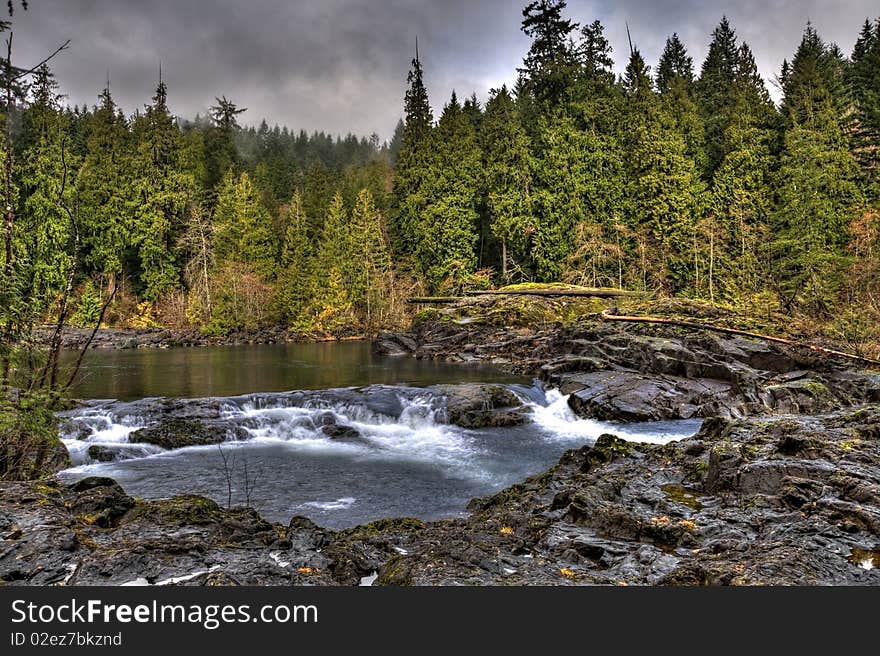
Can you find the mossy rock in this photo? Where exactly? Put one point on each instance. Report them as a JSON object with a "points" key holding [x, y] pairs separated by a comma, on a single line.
{"points": [[174, 433], [188, 509], [392, 525], [608, 447], [397, 570]]}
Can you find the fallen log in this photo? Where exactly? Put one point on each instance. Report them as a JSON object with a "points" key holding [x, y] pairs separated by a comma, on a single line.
{"points": [[595, 293], [608, 316], [423, 300]]}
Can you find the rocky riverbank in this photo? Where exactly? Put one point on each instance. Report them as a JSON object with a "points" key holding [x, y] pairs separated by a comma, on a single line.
{"points": [[780, 486], [130, 338]]}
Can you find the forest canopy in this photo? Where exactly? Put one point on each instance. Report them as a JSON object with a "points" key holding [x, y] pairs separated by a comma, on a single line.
{"points": [[674, 177]]}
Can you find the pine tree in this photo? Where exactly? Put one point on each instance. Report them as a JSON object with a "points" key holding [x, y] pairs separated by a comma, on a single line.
{"points": [[408, 199], [221, 153], [664, 193], [551, 65], [675, 82], [295, 276], [163, 189], [713, 90], [508, 166], [44, 230], [243, 228], [447, 227], [370, 287], [863, 77], [333, 270], [104, 182], [818, 194]]}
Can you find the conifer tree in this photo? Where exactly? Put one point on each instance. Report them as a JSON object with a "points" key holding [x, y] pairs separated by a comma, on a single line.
{"points": [[508, 166], [863, 78], [408, 199], [675, 82], [551, 65], [295, 276], [818, 194], [243, 228], [447, 227], [663, 193], [713, 90], [44, 231], [333, 270], [371, 259], [104, 182], [163, 189]]}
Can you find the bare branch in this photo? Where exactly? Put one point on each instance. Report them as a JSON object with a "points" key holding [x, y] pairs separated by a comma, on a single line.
{"points": [[60, 48]]}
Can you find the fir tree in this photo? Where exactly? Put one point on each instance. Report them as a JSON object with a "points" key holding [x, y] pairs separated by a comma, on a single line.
{"points": [[44, 230], [163, 190], [508, 166], [713, 90], [675, 82], [447, 227], [408, 199], [243, 228], [371, 259], [104, 182], [295, 278], [550, 67]]}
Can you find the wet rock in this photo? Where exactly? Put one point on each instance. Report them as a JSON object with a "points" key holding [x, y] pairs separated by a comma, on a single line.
{"points": [[177, 433], [481, 406], [342, 433]]}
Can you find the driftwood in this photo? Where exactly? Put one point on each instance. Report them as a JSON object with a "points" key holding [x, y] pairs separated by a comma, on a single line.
{"points": [[423, 300], [608, 316], [595, 293]]}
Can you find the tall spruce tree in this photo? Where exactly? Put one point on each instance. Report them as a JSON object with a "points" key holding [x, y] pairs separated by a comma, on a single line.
{"points": [[509, 170], [864, 82], [818, 194], [408, 197], [663, 194], [713, 90], [104, 182], [551, 65], [243, 228], [371, 258], [447, 234], [295, 277], [675, 82], [44, 231], [163, 189]]}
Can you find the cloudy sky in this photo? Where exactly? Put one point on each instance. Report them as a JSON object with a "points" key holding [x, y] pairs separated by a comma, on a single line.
{"points": [[340, 65]]}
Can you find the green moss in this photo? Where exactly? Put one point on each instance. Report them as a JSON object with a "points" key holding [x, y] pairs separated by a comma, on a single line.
{"points": [[608, 447], [401, 524], [681, 495], [189, 509]]}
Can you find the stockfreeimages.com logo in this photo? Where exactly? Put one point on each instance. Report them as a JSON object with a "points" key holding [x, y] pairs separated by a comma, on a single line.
{"points": [[209, 616]]}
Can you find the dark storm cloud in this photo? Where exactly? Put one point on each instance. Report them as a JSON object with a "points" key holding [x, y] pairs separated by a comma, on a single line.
{"points": [[340, 65]]}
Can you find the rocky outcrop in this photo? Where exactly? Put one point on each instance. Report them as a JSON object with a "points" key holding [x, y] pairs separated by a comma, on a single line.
{"points": [[787, 500], [640, 372], [177, 433], [479, 406]]}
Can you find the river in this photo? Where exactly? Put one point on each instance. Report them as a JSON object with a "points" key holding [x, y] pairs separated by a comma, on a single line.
{"points": [[399, 456]]}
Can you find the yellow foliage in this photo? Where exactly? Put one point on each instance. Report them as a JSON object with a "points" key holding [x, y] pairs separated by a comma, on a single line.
{"points": [[145, 316], [506, 530], [687, 524], [660, 521], [568, 573]]}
